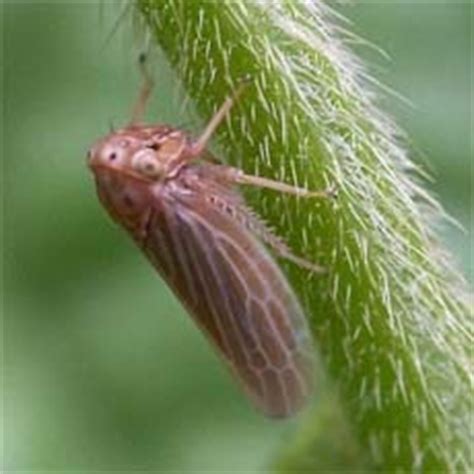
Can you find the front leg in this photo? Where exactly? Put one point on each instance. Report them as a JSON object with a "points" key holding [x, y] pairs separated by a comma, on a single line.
{"points": [[198, 147]]}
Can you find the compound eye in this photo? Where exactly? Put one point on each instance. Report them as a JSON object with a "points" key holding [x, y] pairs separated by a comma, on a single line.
{"points": [[145, 162]]}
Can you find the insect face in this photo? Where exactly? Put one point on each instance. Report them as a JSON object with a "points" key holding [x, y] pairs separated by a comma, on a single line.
{"points": [[139, 152]]}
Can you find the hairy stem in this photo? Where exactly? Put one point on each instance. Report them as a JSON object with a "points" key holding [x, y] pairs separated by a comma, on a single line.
{"points": [[389, 317]]}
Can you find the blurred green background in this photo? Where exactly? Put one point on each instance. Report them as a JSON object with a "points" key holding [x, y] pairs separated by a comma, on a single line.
{"points": [[103, 369]]}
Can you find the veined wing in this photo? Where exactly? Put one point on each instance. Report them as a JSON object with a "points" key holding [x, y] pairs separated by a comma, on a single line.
{"points": [[238, 296]]}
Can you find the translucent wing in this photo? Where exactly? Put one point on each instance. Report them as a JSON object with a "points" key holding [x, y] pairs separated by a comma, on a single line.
{"points": [[237, 295]]}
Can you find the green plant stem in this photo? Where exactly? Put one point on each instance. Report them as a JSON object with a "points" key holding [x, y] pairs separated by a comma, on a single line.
{"points": [[389, 317]]}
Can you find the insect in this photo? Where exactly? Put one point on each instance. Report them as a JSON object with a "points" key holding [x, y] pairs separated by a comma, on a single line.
{"points": [[184, 212]]}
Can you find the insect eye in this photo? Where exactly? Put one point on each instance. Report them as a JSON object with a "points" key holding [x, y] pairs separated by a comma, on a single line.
{"points": [[146, 163]]}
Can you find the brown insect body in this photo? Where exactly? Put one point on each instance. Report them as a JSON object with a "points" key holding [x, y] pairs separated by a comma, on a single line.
{"points": [[186, 215]]}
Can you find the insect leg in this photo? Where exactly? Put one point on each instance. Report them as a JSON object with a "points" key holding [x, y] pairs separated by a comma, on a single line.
{"points": [[237, 176], [145, 92], [236, 209], [200, 144], [279, 246], [261, 182]]}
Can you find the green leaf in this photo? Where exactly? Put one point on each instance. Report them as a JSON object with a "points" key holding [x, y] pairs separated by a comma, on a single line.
{"points": [[390, 317]]}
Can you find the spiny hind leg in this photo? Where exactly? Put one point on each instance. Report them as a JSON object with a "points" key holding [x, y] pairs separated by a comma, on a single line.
{"points": [[251, 221], [259, 228]]}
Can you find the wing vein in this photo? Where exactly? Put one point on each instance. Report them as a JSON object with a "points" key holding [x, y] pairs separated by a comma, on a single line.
{"points": [[171, 224], [218, 278], [251, 264]]}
